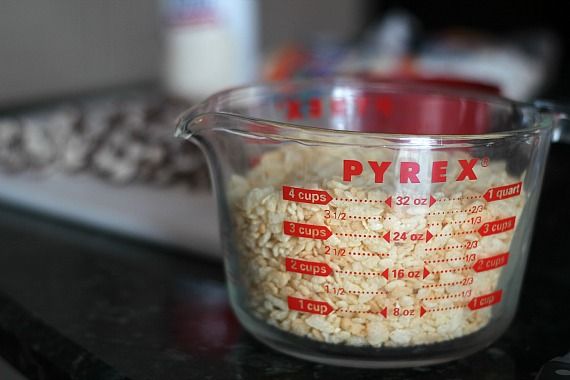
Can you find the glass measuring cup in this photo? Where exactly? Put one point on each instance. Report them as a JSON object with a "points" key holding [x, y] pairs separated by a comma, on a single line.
{"points": [[373, 225]]}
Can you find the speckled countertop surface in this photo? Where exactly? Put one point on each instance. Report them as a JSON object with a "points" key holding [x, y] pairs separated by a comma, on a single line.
{"points": [[82, 304]]}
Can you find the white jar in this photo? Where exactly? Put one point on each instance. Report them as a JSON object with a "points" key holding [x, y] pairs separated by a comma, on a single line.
{"points": [[209, 45]]}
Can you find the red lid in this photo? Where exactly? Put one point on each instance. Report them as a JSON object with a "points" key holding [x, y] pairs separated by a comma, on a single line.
{"points": [[427, 113]]}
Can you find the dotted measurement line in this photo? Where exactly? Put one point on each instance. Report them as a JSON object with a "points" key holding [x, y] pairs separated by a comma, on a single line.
{"points": [[359, 235], [356, 217], [452, 222], [445, 260], [458, 233], [457, 295], [460, 198], [442, 284], [448, 308], [447, 247], [365, 292], [369, 254], [453, 270], [358, 200], [357, 311], [450, 212], [358, 273]]}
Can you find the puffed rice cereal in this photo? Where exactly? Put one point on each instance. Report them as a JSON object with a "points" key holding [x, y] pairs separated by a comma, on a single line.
{"points": [[357, 254]]}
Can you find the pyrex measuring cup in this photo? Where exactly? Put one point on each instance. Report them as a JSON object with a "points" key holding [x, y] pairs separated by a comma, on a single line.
{"points": [[376, 225]]}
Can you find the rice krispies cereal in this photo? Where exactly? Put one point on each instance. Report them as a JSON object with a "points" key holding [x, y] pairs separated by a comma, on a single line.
{"points": [[354, 289]]}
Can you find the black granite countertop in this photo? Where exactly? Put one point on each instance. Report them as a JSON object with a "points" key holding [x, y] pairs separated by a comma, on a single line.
{"points": [[82, 304]]}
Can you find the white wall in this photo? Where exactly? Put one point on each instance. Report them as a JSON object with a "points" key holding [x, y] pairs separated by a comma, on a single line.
{"points": [[57, 47], [61, 46]]}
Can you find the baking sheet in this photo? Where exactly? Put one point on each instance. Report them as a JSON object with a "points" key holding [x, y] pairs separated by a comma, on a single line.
{"points": [[173, 215]]}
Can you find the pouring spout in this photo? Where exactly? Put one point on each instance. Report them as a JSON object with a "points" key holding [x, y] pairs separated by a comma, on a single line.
{"points": [[192, 122]]}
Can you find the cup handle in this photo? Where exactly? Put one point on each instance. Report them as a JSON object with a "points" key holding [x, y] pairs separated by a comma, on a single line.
{"points": [[561, 115]]}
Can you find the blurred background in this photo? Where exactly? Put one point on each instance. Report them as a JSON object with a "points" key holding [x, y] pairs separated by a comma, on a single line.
{"points": [[65, 47], [90, 90]]}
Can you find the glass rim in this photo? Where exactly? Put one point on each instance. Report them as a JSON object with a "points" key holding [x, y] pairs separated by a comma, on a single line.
{"points": [[205, 108]]}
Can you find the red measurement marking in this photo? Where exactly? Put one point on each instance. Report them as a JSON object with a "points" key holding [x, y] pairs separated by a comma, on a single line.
{"points": [[402, 312], [365, 292], [357, 311], [315, 107], [293, 110], [449, 296], [306, 230], [404, 236], [493, 262], [338, 105], [369, 254], [453, 212], [485, 300], [458, 233], [449, 247], [503, 192], [447, 308], [309, 306], [357, 217], [443, 284], [307, 267], [451, 223], [405, 273], [358, 200], [356, 273], [385, 312], [471, 197], [298, 194], [386, 236], [459, 269], [407, 200], [444, 248], [497, 226], [446, 260]]}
